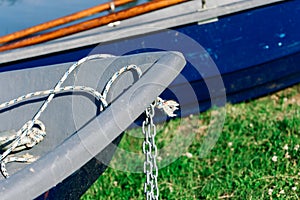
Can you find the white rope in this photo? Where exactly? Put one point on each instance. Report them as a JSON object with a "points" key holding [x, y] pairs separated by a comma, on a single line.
{"points": [[25, 130], [28, 96], [30, 136], [35, 135]]}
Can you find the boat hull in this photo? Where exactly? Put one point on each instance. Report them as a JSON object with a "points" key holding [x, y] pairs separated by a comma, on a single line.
{"points": [[251, 56], [231, 58]]}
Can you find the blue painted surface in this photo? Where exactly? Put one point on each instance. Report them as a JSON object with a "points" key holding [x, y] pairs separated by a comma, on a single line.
{"points": [[251, 49], [251, 38]]}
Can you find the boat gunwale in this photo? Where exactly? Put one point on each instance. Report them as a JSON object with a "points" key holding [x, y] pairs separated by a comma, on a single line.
{"points": [[186, 13]]}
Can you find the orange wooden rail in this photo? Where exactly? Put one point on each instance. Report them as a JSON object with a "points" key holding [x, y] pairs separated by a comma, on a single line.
{"points": [[121, 15], [62, 20]]}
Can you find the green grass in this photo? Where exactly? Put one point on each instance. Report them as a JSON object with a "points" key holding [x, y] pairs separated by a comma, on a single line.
{"points": [[242, 164]]}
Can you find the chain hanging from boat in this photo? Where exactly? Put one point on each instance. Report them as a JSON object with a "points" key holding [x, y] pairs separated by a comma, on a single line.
{"points": [[151, 189], [150, 151]]}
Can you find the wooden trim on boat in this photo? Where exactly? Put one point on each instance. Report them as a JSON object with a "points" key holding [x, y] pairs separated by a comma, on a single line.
{"points": [[62, 20], [93, 23]]}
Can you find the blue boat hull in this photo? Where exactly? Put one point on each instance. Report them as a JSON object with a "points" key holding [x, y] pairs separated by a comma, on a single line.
{"points": [[256, 52]]}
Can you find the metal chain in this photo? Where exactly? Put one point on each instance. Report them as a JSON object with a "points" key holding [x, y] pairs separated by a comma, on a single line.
{"points": [[150, 151], [149, 147]]}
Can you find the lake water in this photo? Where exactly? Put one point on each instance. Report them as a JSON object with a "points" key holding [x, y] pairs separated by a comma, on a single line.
{"points": [[19, 14]]}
